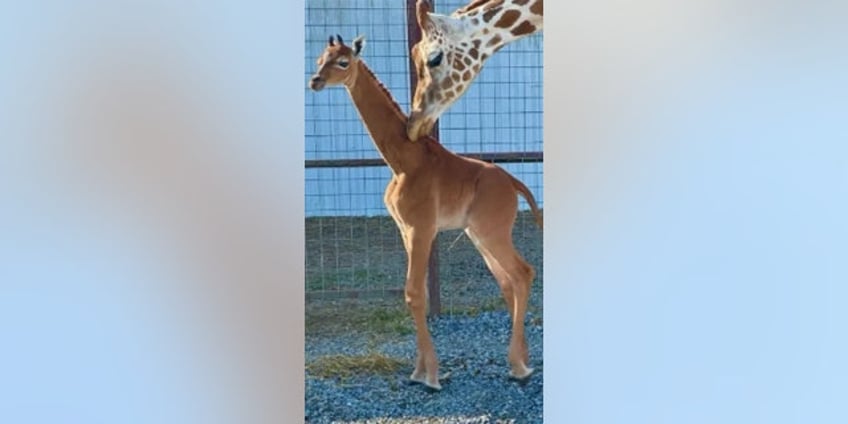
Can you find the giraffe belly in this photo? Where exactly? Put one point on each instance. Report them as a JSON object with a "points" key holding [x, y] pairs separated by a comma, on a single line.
{"points": [[452, 223], [452, 218]]}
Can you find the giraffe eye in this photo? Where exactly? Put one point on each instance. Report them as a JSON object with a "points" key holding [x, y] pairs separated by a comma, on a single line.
{"points": [[342, 63], [435, 60]]}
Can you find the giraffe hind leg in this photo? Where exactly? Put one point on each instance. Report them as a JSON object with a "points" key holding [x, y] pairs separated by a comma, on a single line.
{"points": [[515, 277]]}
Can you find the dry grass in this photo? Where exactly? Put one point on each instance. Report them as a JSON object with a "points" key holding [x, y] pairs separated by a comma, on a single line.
{"points": [[343, 366], [379, 318], [385, 318]]}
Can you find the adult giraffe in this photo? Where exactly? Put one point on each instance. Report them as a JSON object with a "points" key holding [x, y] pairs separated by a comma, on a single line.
{"points": [[453, 49], [433, 189]]}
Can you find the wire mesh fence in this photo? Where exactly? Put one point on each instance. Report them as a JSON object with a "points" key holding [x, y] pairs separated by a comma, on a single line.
{"points": [[353, 248]]}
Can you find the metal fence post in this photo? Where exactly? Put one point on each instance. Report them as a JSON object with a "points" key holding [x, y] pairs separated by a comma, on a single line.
{"points": [[413, 36]]}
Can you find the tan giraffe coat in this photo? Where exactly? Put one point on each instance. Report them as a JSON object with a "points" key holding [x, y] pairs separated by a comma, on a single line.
{"points": [[432, 189]]}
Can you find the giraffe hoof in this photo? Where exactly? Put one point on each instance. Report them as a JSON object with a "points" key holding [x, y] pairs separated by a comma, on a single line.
{"points": [[522, 378], [432, 389], [429, 386]]}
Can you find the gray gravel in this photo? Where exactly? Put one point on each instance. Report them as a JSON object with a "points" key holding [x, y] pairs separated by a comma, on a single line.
{"points": [[472, 348]]}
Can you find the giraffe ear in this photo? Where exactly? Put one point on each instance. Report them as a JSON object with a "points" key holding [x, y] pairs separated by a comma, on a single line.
{"points": [[422, 12], [358, 44]]}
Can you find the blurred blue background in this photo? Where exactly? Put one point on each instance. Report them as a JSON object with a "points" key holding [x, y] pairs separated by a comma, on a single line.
{"points": [[150, 177], [151, 212], [696, 242]]}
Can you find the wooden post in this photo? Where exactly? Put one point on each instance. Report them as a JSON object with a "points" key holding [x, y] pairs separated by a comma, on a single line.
{"points": [[413, 36]]}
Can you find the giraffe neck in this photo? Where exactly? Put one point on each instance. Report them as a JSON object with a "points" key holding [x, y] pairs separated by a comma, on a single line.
{"points": [[492, 24], [384, 120]]}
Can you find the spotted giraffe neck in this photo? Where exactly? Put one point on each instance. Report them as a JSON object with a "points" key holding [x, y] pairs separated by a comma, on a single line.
{"points": [[492, 24]]}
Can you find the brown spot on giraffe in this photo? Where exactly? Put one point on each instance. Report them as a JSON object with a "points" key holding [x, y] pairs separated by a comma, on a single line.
{"points": [[466, 76], [521, 2], [490, 14], [495, 40], [455, 76], [508, 19], [446, 84], [525, 28], [458, 65], [467, 61], [477, 44], [475, 21], [536, 8], [473, 53]]}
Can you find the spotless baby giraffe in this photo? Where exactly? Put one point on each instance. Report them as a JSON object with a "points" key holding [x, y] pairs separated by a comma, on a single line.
{"points": [[453, 49], [433, 189]]}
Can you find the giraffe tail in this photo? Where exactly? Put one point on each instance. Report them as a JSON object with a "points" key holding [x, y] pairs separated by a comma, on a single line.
{"points": [[524, 191]]}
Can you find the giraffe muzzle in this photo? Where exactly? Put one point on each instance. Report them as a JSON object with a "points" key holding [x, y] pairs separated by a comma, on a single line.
{"points": [[419, 125], [316, 83]]}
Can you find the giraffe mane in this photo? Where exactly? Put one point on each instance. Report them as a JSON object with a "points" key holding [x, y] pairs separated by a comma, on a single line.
{"points": [[384, 89]]}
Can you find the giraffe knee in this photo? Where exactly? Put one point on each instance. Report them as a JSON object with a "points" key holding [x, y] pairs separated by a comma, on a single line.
{"points": [[530, 272], [526, 275], [525, 270], [413, 297]]}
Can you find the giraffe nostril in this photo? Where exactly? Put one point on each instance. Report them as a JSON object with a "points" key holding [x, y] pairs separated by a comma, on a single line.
{"points": [[316, 83]]}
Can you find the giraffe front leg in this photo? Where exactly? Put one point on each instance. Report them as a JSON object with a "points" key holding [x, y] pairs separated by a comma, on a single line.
{"points": [[418, 251]]}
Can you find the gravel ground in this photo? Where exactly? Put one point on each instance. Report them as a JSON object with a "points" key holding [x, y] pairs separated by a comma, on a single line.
{"points": [[473, 349], [471, 337]]}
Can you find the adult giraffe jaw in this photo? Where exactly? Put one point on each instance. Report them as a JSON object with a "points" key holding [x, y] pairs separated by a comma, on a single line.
{"points": [[419, 125]]}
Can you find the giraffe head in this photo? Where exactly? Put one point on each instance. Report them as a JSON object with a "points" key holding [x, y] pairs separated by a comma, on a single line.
{"points": [[454, 48], [443, 65], [335, 64]]}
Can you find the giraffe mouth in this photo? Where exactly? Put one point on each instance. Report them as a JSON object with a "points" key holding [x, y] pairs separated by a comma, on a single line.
{"points": [[419, 124], [317, 83]]}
